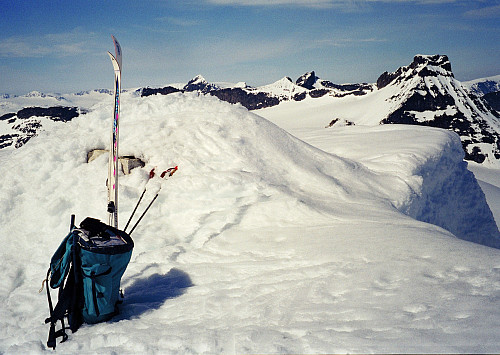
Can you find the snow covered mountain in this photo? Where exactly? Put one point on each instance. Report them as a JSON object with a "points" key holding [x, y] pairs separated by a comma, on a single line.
{"points": [[426, 93], [253, 98], [28, 121], [23, 117], [484, 86], [422, 93], [199, 83], [260, 243]]}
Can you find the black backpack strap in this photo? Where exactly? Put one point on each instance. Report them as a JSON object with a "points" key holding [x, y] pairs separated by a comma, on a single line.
{"points": [[69, 301], [55, 315]]}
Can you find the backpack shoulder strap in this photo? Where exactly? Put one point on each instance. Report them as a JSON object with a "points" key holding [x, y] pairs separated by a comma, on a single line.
{"points": [[63, 274], [55, 314]]}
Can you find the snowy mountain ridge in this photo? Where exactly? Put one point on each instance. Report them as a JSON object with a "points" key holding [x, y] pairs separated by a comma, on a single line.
{"points": [[422, 93], [483, 86]]}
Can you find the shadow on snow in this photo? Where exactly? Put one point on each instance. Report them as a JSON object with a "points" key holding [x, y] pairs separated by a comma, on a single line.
{"points": [[150, 293]]}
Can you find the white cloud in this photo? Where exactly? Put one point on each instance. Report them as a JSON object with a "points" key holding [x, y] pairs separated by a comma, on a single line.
{"points": [[303, 3], [319, 3], [343, 42], [178, 21], [485, 12], [55, 44]]}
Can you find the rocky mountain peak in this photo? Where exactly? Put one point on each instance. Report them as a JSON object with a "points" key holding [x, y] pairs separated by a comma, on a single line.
{"points": [[422, 66], [436, 60], [199, 83], [307, 80], [426, 93]]}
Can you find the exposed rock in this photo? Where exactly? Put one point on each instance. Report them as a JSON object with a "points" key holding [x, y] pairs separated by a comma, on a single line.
{"points": [[250, 100], [307, 80], [493, 99], [6, 140], [318, 93], [198, 83], [94, 154], [27, 122], [269, 95], [300, 96], [422, 65], [7, 116], [127, 162], [386, 78], [162, 91], [56, 113], [339, 122], [484, 86]]}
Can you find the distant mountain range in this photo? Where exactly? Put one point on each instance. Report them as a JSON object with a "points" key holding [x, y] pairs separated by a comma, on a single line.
{"points": [[423, 93], [253, 98]]}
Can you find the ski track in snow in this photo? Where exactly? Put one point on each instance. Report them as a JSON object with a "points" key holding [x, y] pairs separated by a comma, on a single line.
{"points": [[260, 243]]}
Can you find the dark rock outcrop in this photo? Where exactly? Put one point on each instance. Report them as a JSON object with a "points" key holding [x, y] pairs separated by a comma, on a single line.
{"points": [[27, 122], [307, 80], [422, 65], [198, 83], [162, 91], [56, 113], [493, 99], [248, 99]]}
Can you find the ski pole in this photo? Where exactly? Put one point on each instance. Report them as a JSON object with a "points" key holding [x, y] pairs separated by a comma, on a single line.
{"points": [[170, 172], [151, 175]]}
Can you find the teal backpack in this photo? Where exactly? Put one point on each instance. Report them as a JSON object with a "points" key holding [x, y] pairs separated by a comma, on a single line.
{"points": [[87, 269]]}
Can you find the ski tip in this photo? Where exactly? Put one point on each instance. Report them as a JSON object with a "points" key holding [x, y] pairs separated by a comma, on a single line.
{"points": [[118, 51]]}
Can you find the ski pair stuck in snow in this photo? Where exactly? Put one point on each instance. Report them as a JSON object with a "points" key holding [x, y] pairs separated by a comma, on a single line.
{"points": [[113, 151]]}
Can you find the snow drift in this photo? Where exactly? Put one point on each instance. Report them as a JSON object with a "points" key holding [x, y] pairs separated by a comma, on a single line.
{"points": [[429, 161], [259, 243]]}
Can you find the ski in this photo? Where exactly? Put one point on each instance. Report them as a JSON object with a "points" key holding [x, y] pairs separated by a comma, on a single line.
{"points": [[113, 151]]}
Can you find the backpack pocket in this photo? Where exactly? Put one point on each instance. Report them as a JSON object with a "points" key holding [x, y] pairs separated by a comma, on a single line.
{"points": [[98, 290]]}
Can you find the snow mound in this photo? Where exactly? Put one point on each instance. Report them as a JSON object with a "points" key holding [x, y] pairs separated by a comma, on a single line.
{"points": [[441, 190], [259, 243]]}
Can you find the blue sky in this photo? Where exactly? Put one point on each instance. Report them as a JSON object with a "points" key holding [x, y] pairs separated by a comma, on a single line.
{"points": [[60, 46]]}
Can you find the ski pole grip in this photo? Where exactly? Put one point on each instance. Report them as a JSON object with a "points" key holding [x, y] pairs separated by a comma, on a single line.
{"points": [[169, 171]]}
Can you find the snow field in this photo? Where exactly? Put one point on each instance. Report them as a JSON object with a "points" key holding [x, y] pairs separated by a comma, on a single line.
{"points": [[260, 243]]}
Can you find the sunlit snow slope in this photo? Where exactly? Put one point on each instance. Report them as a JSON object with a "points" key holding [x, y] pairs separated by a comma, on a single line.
{"points": [[260, 243]]}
